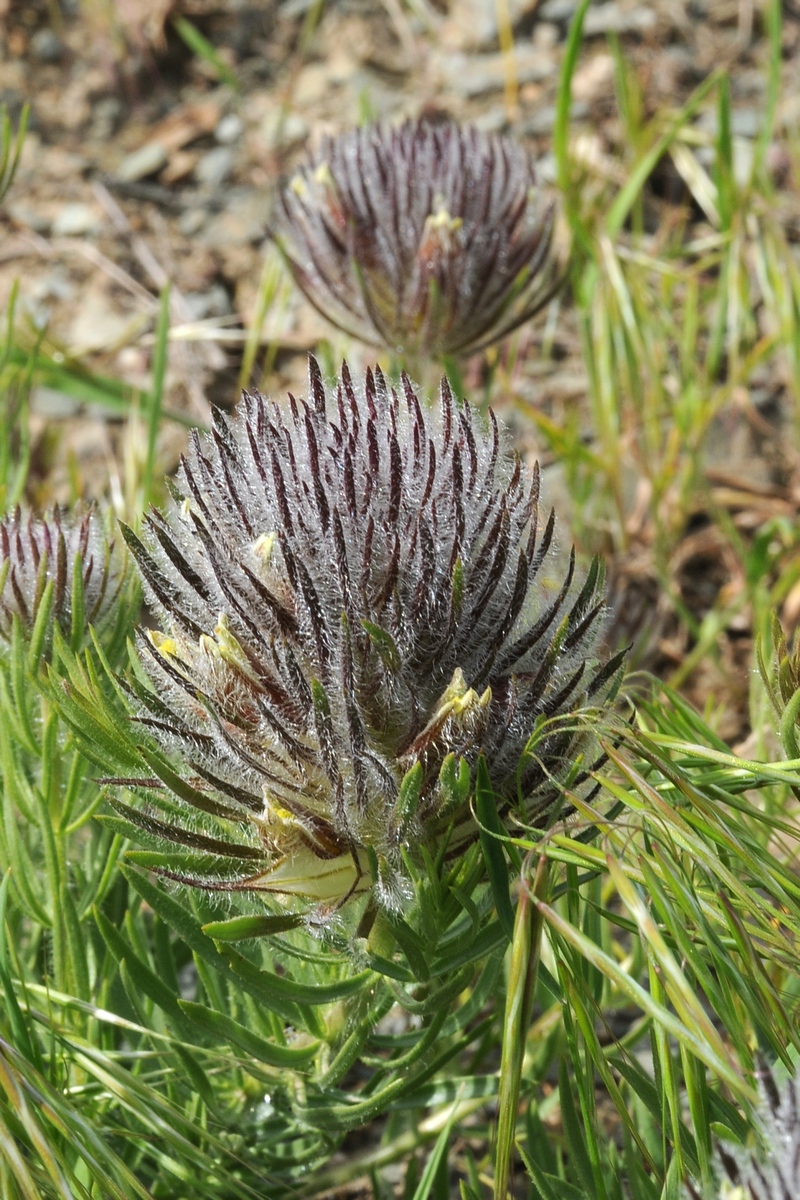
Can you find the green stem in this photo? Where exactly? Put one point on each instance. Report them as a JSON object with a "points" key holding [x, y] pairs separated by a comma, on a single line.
{"points": [[525, 948], [788, 729]]}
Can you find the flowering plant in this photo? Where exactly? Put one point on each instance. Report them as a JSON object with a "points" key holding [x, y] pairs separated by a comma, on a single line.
{"points": [[354, 606], [61, 569], [427, 238]]}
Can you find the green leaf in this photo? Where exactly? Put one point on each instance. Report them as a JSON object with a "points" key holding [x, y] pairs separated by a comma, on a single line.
{"points": [[291, 989], [183, 790], [180, 918], [438, 1155], [156, 398], [203, 48], [551, 1187], [520, 992], [576, 1144], [145, 979], [11, 146], [269, 1053], [492, 835], [410, 944]]}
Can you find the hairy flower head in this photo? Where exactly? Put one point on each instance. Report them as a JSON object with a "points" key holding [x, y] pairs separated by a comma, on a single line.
{"points": [[427, 238], [61, 568], [355, 602], [772, 1170]]}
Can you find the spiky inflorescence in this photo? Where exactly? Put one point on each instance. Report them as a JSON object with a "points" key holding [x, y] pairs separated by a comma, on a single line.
{"points": [[771, 1172], [72, 552], [431, 239], [352, 609]]}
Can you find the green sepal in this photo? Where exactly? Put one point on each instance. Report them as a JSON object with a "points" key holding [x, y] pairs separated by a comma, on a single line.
{"points": [[183, 790], [180, 866]]}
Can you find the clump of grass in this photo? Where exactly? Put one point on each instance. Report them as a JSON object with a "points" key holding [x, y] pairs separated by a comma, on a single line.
{"points": [[11, 143]]}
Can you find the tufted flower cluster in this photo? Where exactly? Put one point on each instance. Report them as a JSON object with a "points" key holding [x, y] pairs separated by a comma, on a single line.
{"points": [[355, 600], [428, 239], [64, 561]]}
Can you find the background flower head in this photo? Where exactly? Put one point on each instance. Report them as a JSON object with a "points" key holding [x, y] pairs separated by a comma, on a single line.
{"points": [[427, 238], [771, 1170], [64, 559], [356, 600]]}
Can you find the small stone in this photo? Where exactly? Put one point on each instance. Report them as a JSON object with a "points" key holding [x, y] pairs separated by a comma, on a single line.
{"points": [[180, 165], [97, 324], [74, 220], [746, 122], [743, 157], [544, 120], [478, 74], [613, 18], [213, 303], [473, 24], [22, 214], [545, 35], [778, 163], [214, 167], [242, 222], [557, 10], [47, 46], [281, 130], [192, 221], [49, 402], [593, 78], [311, 85], [106, 114], [546, 169], [493, 121], [55, 285], [229, 130], [143, 162]]}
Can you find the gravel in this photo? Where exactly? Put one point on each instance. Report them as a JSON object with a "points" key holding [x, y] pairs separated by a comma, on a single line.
{"points": [[143, 162], [214, 167]]}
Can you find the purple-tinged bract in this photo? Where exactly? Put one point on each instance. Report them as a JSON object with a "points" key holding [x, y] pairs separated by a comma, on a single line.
{"points": [[428, 239], [356, 600], [65, 558]]}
